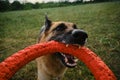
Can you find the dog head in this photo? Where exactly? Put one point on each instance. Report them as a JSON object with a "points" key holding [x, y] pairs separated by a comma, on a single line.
{"points": [[64, 32]]}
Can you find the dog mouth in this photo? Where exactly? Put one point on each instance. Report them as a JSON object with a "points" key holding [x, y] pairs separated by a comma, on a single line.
{"points": [[67, 59], [75, 37]]}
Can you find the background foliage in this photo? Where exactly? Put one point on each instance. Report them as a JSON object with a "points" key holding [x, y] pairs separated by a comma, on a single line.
{"points": [[5, 5], [19, 29]]}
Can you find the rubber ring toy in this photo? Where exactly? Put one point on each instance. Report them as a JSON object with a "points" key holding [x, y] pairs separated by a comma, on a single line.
{"points": [[13, 63]]}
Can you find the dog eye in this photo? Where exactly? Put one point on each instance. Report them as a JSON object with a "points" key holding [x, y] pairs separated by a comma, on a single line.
{"points": [[74, 26], [60, 28]]}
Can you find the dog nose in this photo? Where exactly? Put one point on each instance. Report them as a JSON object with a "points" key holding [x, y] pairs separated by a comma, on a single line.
{"points": [[79, 34]]}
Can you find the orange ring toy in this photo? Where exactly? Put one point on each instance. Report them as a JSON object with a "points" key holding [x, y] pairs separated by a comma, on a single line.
{"points": [[13, 63]]}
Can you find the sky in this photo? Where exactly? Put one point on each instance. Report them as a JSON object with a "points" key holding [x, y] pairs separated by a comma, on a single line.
{"points": [[40, 1]]}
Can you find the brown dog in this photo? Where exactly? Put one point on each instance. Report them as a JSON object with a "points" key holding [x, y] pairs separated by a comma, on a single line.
{"points": [[54, 66]]}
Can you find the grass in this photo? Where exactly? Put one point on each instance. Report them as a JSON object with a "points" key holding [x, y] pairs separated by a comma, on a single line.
{"points": [[19, 29]]}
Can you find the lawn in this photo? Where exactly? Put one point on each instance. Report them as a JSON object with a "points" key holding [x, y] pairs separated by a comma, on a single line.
{"points": [[19, 29]]}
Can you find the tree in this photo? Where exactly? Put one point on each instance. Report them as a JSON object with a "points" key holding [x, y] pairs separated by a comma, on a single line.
{"points": [[28, 6], [101, 0], [4, 5], [16, 5], [78, 1], [36, 5]]}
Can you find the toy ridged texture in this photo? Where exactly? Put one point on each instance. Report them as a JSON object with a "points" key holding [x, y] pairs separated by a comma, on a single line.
{"points": [[13, 63]]}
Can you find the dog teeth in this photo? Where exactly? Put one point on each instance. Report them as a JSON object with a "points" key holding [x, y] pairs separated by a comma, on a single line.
{"points": [[76, 60], [66, 60], [63, 54], [79, 47], [63, 41], [67, 45], [71, 64]]}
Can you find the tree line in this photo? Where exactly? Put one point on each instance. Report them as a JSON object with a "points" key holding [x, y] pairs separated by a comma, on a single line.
{"points": [[5, 5]]}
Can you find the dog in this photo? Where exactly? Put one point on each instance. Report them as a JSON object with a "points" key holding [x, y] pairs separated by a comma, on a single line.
{"points": [[53, 66]]}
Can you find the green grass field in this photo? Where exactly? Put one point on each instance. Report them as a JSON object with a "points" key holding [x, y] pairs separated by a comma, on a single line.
{"points": [[19, 29]]}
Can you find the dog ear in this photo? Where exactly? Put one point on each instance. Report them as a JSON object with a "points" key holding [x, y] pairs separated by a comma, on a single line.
{"points": [[45, 28], [47, 23]]}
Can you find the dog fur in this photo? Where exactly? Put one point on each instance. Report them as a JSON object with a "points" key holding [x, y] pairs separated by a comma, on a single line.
{"points": [[49, 66]]}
